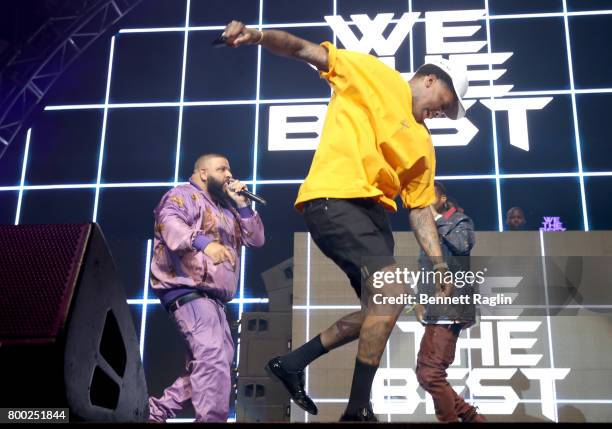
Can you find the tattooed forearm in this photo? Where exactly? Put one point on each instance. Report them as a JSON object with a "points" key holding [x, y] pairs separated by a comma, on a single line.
{"points": [[426, 233], [288, 45]]}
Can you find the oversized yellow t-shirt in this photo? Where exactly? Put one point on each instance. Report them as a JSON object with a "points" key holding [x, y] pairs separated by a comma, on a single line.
{"points": [[371, 145]]}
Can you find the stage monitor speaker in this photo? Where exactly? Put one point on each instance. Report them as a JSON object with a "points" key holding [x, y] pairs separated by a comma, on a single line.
{"points": [[261, 400], [67, 339], [262, 336], [279, 285]]}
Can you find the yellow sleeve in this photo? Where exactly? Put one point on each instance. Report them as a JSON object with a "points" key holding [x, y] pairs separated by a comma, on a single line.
{"points": [[417, 175], [350, 68], [331, 75]]}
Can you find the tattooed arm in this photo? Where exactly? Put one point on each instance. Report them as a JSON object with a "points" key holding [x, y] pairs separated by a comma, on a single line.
{"points": [[278, 42], [426, 233]]}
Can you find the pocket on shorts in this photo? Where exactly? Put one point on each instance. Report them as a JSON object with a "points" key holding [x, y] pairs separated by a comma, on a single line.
{"points": [[315, 215]]}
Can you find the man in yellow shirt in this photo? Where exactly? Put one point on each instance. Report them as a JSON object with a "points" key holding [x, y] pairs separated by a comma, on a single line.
{"points": [[374, 146]]}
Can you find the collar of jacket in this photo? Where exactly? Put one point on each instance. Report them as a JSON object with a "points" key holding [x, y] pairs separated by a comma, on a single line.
{"points": [[449, 213], [203, 192]]}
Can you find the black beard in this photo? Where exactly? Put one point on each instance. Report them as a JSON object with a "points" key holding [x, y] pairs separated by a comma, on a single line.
{"points": [[216, 191]]}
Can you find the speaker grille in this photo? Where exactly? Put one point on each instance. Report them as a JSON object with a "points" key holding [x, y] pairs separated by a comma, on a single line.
{"points": [[39, 265]]}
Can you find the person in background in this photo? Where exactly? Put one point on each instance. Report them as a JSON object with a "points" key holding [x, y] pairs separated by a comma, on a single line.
{"points": [[515, 219], [442, 329]]}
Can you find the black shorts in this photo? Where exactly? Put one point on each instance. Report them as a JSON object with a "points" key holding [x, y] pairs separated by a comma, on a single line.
{"points": [[354, 233]]}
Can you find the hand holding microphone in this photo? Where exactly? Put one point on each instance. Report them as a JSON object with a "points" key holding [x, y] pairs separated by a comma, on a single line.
{"points": [[239, 193], [237, 34]]}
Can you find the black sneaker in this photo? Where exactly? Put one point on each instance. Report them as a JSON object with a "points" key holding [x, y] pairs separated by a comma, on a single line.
{"points": [[364, 414], [293, 382]]}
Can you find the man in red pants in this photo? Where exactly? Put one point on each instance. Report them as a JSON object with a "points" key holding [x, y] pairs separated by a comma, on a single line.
{"points": [[442, 328]]}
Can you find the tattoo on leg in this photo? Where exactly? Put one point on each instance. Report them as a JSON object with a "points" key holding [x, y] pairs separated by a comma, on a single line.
{"points": [[346, 329], [343, 331]]}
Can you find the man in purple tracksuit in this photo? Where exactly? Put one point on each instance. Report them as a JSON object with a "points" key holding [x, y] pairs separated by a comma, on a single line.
{"points": [[199, 229]]}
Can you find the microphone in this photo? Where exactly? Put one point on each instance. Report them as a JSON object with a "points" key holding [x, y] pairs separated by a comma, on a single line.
{"points": [[251, 196], [219, 42]]}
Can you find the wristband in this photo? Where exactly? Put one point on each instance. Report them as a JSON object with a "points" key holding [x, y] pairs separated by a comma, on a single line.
{"points": [[440, 265]]}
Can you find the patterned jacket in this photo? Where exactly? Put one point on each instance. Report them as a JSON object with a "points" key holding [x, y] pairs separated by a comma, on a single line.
{"points": [[186, 221], [456, 233]]}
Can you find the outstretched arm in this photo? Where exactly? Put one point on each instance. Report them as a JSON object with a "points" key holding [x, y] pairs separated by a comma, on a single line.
{"points": [[278, 42]]}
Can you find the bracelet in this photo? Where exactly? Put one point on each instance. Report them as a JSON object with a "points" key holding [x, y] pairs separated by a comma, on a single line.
{"points": [[410, 309], [440, 265], [260, 37]]}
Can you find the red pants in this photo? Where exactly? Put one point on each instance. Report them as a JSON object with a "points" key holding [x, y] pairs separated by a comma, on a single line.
{"points": [[437, 352]]}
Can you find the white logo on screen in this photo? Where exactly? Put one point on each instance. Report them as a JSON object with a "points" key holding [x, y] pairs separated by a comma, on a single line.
{"points": [[482, 74], [396, 390]]}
